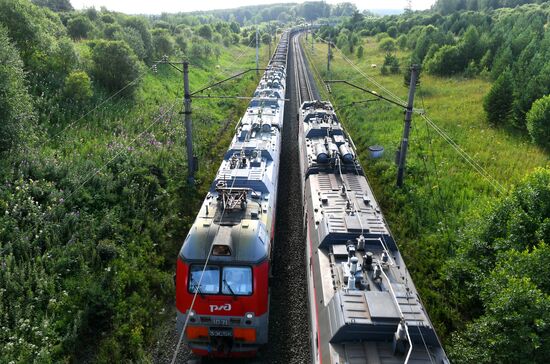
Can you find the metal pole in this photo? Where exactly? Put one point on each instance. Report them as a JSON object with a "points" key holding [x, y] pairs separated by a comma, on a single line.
{"points": [[406, 130], [328, 56], [311, 37], [257, 53], [188, 125]]}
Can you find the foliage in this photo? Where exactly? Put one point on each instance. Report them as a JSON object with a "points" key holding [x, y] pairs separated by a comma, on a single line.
{"points": [[502, 261], [387, 45], [391, 64], [115, 65], [360, 52], [79, 27], [205, 31], [55, 5], [498, 102], [15, 104], [162, 43], [538, 122], [78, 87]]}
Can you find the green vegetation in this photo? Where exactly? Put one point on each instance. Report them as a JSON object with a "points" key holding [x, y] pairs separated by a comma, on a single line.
{"points": [[475, 247], [93, 195], [538, 121]]}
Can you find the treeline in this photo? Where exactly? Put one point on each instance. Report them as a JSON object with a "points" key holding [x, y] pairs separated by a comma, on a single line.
{"points": [[311, 10], [451, 6], [508, 46]]}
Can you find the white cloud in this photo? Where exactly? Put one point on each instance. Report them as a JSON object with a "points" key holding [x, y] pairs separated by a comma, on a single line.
{"points": [[174, 6]]}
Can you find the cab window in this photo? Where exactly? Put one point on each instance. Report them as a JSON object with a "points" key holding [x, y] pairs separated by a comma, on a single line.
{"points": [[237, 280], [210, 282]]}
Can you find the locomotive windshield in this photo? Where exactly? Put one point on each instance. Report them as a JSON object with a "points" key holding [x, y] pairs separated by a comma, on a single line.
{"points": [[235, 280], [210, 282]]}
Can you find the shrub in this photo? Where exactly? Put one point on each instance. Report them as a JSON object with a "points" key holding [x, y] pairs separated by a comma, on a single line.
{"points": [[387, 45], [162, 43], [79, 27], [115, 65], [78, 86], [538, 122]]}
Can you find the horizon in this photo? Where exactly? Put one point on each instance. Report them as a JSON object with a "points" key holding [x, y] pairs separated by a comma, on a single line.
{"points": [[178, 6]]}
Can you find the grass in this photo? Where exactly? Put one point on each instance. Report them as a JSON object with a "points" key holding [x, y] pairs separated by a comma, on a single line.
{"points": [[441, 190]]}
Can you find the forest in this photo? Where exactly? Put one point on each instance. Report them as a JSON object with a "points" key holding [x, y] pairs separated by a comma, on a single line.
{"points": [[94, 200]]}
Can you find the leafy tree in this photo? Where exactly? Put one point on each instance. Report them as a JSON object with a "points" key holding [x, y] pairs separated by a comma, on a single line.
{"points": [[15, 103], [133, 38], [205, 31], [79, 27], [538, 122], [55, 5], [387, 45], [162, 43], [78, 86], [235, 27], [392, 31], [115, 65], [498, 102], [266, 38], [142, 27], [182, 43], [445, 61]]}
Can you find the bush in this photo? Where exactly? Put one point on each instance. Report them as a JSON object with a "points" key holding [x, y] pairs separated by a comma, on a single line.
{"points": [[538, 122], [498, 102], [387, 45], [115, 65], [78, 86], [79, 27], [163, 43]]}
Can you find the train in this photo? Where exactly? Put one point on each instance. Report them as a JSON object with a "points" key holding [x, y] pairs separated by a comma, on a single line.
{"points": [[223, 267], [363, 305]]}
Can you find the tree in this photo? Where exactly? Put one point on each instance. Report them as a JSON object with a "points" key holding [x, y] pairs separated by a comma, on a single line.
{"points": [[115, 65], [162, 43], [266, 38], [205, 31], [55, 5], [78, 87], [387, 45], [498, 102], [360, 52], [79, 27], [142, 27], [391, 63], [15, 103], [538, 122]]}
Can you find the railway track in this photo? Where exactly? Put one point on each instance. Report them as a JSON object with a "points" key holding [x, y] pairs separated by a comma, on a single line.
{"points": [[305, 88]]}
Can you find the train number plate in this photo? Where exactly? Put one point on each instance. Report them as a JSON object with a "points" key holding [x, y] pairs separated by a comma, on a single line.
{"points": [[221, 322], [220, 331]]}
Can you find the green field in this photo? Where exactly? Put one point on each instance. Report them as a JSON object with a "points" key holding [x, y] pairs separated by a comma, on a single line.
{"points": [[442, 191]]}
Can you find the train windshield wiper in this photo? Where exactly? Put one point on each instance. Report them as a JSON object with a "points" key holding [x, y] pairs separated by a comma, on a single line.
{"points": [[228, 286], [197, 287]]}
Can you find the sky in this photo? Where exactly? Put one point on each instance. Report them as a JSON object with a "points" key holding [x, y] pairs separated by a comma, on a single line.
{"points": [[175, 6]]}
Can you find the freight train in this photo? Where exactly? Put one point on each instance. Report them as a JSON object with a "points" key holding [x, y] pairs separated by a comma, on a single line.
{"points": [[223, 267], [364, 307]]}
